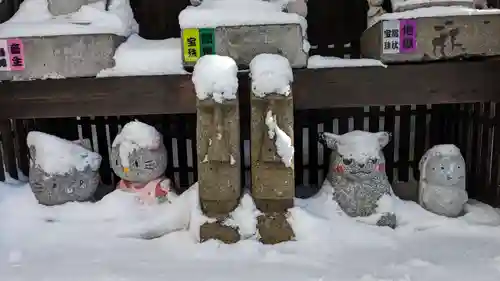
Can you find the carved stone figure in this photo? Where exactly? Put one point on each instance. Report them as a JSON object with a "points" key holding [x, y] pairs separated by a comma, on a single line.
{"points": [[375, 10], [442, 181], [357, 173], [139, 158], [61, 171]]}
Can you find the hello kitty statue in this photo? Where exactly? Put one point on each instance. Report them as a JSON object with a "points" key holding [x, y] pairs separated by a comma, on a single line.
{"points": [[357, 173], [60, 170], [139, 158], [442, 181]]}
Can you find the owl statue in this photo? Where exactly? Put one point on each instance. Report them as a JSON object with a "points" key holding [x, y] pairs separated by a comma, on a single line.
{"points": [[139, 158], [357, 173], [442, 181], [60, 170]]}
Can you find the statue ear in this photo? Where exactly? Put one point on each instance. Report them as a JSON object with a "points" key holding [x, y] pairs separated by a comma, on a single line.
{"points": [[383, 138], [329, 140]]}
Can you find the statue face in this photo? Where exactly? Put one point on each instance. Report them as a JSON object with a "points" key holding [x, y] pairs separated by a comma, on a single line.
{"points": [[445, 170], [357, 154], [361, 169], [144, 164]]}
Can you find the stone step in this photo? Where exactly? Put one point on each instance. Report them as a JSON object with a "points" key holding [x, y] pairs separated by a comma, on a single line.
{"points": [[243, 43], [432, 38], [62, 56]]}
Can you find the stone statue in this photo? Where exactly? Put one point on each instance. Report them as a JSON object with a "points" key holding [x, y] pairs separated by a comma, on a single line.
{"points": [[139, 158], [374, 11], [357, 173], [61, 171], [442, 181]]}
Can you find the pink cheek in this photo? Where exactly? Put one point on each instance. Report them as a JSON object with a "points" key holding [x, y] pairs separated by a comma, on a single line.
{"points": [[381, 167], [338, 168]]}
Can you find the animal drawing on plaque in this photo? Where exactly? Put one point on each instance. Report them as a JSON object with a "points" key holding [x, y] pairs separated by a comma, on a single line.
{"points": [[139, 158], [357, 173], [442, 181]]}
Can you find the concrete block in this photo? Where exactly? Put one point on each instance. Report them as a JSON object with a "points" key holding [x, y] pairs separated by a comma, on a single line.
{"points": [[243, 43], [218, 231], [65, 56], [435, 38]]}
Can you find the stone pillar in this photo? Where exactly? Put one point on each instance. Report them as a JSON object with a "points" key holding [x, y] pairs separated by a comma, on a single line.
{"points": [[273, 184], [218, 147]]}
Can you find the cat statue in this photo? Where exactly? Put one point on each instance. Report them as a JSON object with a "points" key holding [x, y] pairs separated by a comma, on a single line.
{"points": [[60, 170], [139, 158], [357, 173], [442, 181]]}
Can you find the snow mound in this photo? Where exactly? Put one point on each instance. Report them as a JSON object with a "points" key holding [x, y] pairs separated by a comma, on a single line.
{"points": [[244, 217], [59, 156], [283, 142], [141, 57], [332, 62], [437, 12], [271, 74], [213, 13], [358, 145], [215, 76], [136, 135], [93, 242], [445, 149], [34, 19]]}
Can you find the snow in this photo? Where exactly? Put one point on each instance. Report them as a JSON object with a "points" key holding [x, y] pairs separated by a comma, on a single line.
{"points": [[438, 12], [283, 142], [244, 218], [214, 13], [271, 73], [86, 241], [135, 135], [401, 4], [357, 145], [141, 57], [58, 156], [34, 19], [332, 62], [215, 76], [445, 149]]}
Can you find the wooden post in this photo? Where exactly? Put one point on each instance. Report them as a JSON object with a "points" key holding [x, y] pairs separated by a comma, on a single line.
{"points": [[273, 184], [218, 140]]}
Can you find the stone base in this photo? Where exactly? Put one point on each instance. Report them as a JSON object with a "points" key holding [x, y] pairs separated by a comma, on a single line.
{"points": [[216, 230], [274, 228], [243, 43], [273, 205], [439, 38], [66, 56]]}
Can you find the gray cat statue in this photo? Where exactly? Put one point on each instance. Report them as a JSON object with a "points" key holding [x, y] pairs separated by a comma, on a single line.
{"points": [[139, 158], [357, 173], [442, 181], [60, 170]]}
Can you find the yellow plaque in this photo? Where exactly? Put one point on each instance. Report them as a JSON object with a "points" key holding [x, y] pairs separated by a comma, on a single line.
{"points": [[191, 44]]}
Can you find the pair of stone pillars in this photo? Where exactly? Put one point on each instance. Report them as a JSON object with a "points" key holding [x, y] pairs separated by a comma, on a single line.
{"points": [[219, 166]]}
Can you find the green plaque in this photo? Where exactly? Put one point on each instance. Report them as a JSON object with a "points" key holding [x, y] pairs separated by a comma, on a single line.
{"points": [[207, 41]]}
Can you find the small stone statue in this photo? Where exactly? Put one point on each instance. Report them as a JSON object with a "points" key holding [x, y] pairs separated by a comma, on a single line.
{"points": [[139, 158], [374, 11], [442, 181], [357, 173], [61, 171]]}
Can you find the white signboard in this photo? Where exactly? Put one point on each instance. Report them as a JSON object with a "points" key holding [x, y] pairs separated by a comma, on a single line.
{"points": [[390, 37]]}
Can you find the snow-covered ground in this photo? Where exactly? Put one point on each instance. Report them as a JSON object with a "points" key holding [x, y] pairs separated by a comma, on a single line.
{"points": [[96, 242]]}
